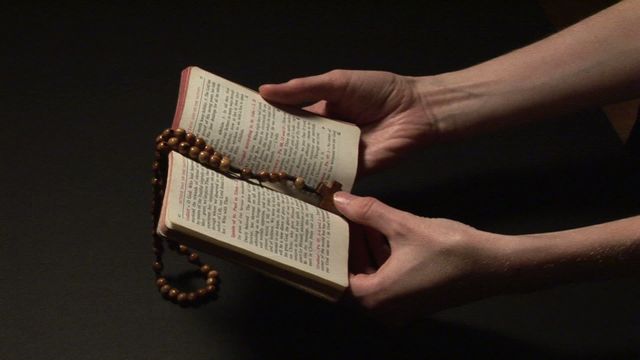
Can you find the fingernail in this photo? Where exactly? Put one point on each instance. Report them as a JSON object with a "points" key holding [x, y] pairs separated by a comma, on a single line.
{"points": [[342, 198]]}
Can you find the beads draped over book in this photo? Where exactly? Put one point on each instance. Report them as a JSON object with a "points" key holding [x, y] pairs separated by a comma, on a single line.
{"points": [[198, 150]]}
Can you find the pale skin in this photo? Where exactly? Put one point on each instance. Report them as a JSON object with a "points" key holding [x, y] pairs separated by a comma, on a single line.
{"points": [[428, 264]]}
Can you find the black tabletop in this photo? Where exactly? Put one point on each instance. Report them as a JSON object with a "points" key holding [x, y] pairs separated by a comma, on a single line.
{"points": [[86, 89]]}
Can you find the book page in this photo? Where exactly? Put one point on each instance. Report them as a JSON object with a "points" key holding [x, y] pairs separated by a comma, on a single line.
{"points": [[255, 134], [257, 221]]}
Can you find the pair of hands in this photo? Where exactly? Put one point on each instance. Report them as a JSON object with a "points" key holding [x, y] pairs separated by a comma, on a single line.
{"points": [[399, 262]]}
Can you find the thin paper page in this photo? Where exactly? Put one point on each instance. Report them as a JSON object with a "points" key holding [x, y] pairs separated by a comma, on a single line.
{"points": [[260, 136], [260, 221]]}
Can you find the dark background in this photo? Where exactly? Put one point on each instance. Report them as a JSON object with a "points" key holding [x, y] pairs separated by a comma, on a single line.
{"points": [[86, 89]]}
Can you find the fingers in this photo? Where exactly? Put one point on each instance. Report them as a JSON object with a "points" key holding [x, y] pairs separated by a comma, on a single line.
{"points": [[370, 212], [328, 86]]}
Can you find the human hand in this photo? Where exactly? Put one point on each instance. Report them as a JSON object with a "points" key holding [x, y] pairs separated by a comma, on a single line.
{"points": [[427, 264], [386, 106]]}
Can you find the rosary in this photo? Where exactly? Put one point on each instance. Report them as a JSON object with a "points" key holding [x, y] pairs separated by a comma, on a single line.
{"points": [[196, 148]]}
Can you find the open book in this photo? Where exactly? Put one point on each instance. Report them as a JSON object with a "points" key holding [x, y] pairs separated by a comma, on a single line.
{"points": [[271, 226]]}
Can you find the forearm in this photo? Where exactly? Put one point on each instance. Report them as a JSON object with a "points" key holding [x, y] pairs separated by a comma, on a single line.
{"points": [[594, 62], [598, 251]]}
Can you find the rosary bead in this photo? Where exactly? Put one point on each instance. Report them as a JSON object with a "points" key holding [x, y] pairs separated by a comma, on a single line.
{"points": [[245, 173], [211, 281], [164, 289], [162, 148], [201, 292], [212, 274], [190, 138], [283, 175], [179, 133], [157, 251], [194, 257], [157, 154], [194, 151], [192, 297], [173, 143], [166, 134], [214, 161], [203, 157], [155, 166], [209, 149], [157, 266], [159, 138], [160, 282], [182, 297], [299, 182], [225, 164], [155, 181], [173, 293], [263, 176], [200, 143], [183, 249], [274, 177], [183, 148], [210, 288], [205, 269]]}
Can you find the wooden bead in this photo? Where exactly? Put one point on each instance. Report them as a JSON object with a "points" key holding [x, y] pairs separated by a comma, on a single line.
{"points": [[283, 175], [210, 288], [225, 163], [157, 251], [245, 173], [173, 293], [191, 297], [212, 274], [183, 249], [211, 281], [190, 138], [157, 266], [166, 134], [182, 297], [203, 157], [155, 166], [194, 257], [299, 183], [214, 161], [263, 176], [159, 138], [173, 143], [164, 289], [184, 147], [163, 148], [160, 282], [200, 143], [209, 149], [155, 181], [205, 269], [179, 133], [274, 177], [194, 151], [201, 292]]}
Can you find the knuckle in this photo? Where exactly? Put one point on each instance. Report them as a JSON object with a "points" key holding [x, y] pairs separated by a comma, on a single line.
{"points": [[365, 207], [338, 78]]}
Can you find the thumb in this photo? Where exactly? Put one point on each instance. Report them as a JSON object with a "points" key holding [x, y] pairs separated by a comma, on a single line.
{"points": [[303, 91], [370, 212]]}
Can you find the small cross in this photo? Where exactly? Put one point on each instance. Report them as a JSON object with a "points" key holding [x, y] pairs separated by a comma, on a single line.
{"points": [[326, 189]]}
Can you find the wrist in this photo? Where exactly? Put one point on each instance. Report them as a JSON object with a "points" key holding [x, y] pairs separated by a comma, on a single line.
{"points": [[461, 103]]}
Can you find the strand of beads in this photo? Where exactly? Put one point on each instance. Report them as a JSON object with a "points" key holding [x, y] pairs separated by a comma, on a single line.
{"points": [[172, 293], [197, 149]]}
